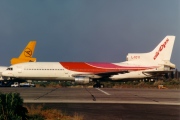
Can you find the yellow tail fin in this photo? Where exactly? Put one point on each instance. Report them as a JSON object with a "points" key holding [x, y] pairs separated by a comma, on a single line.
{"points": [[28, 50], [26, 55]]}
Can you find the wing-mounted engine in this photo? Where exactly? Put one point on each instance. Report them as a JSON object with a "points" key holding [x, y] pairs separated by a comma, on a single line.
{"points": [[82, 80], [86, 78]]}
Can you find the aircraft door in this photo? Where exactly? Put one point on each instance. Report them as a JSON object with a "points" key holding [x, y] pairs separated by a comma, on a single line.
{"points": [[19, 70], [66, 72]]}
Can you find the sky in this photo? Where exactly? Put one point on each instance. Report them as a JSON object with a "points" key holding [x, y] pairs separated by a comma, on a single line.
{"points": [[87, 30]]}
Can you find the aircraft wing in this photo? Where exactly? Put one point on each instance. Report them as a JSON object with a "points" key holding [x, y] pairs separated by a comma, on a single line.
{"points": [[100, 74], [156, 73]]}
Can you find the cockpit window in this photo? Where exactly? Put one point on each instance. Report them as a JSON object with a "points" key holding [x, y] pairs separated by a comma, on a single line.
{"points": [[9, 68]]}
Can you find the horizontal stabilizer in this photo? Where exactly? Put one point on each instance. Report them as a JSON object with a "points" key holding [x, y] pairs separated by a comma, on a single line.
{"points": [[21, 60]]}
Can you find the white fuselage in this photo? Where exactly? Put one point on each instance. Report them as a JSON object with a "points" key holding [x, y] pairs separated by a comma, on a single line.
{"points": [[39, 71], [66, 71]]}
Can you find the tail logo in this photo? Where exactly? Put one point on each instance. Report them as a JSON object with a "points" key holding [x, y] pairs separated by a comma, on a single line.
{"points": [[161, 48], [28, 52]]}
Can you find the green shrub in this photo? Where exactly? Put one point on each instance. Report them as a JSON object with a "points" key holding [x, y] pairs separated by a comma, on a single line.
{"points": [[173, 82], [11, 107], [108, 84], [44, 84], [135, 82], [36, 117], [66, 84]]}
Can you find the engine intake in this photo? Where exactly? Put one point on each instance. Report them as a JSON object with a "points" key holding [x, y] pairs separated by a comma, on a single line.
{"points": [[82, 80]]}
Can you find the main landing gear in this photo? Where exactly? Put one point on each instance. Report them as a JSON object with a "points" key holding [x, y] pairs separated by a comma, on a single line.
{"points": [[98, 84]]}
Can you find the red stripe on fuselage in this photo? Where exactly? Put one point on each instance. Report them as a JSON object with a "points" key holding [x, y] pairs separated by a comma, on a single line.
{"points": [[97, 67]]}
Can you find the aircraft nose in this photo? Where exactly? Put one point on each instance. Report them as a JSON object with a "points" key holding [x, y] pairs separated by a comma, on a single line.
{"points": [[6, 74]]}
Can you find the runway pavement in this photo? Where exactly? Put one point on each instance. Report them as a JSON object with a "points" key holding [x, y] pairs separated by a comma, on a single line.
{"points": [[91, 95], [107, 103]]}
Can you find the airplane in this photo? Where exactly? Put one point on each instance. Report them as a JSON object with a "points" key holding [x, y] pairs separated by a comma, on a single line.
{"points": [[144, 64], [25, 56]]}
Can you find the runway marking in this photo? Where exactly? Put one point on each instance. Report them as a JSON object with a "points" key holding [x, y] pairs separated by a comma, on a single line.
{"points": [[45, 94], [103, 91], [146, 98], [94, 99]]}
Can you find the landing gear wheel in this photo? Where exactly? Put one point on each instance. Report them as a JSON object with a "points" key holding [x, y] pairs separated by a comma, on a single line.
{"points": [[102, 86]]}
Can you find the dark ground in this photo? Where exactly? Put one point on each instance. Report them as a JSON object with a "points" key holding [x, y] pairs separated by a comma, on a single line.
{"points": [[111, 111]]}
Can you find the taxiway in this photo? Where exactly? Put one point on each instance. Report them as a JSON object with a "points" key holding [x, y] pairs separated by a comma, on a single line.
{"points": [[107, 103], [91, 95]]}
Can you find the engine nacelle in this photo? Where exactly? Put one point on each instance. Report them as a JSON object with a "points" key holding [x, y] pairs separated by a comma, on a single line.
{"points": [[82, 80]]}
